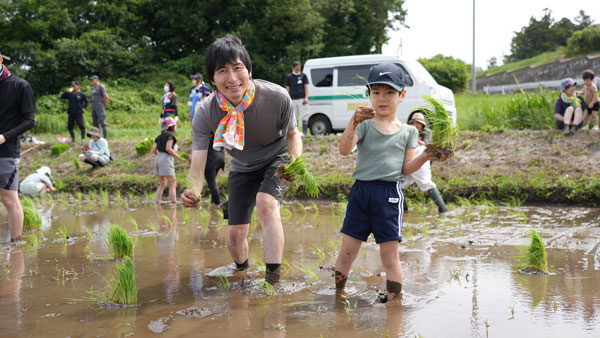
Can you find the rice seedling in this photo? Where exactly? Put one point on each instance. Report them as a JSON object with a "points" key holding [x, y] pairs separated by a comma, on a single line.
{"points": [[59, 148], [444, 135], [76, 163], [32, 220], [143, 147], [285, 211], [184, 155], [167, 221], [333, 245], [123, 285], [33, 239], [261, 265], [104, 197], [119, 242], [349, 308], [514, 202], [64, 234], [296, 171], [134, 223], [268, 287], [89, 232], [318, 251], [301, 207], [535, 257], [464, 202], [193, 183], [223, 283], [315, 207], [285, 263], [487, 325], [458, 222], [308, 270], [186, 220]]}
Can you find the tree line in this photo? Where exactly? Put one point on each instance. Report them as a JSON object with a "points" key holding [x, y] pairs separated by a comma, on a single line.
{"points": [[51, 42]]}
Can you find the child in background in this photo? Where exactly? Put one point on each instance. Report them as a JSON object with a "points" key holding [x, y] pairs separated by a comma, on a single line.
{"points": [[423, 176], [590, 92], [165, 150], [386, 149], [567, 109]]}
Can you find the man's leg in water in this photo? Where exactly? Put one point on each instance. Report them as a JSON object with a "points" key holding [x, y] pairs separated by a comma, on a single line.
{"points": [[267, 208]]}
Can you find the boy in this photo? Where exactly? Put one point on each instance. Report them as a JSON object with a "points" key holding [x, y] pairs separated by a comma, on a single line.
{"points": [[567, 109], [386, 150], [590, 92], [423, 176]]}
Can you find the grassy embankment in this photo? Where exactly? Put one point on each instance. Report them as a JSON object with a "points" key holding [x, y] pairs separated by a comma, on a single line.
{"points": [[489, 169]]}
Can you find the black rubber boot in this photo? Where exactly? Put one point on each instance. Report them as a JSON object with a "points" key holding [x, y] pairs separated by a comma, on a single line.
{"points": [[437, 198]]}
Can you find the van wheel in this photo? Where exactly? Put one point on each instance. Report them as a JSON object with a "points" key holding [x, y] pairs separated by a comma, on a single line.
{"points": [[320, 126]]}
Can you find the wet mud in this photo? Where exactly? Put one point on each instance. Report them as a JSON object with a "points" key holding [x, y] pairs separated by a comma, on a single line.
{"points": [[461, 275]]}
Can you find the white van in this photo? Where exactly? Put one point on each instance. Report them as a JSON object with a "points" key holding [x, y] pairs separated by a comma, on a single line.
{"points": [[338, 85]]}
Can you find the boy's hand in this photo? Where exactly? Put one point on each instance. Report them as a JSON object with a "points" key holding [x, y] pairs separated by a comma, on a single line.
{"points": [[362, 114]]}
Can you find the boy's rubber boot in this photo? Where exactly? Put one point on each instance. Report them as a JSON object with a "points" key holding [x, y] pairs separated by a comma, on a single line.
{"points": [[436, 196], [566, 129]]}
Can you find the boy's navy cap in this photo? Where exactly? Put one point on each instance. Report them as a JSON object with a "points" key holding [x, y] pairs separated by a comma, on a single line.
{"points": [[5, 57], [94, 77], [75, 83], [387, 73]]}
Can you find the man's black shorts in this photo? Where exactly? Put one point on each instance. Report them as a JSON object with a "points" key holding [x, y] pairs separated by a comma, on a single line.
{"points": [[243, 187]]}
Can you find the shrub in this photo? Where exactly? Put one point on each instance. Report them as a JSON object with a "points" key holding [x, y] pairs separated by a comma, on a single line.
{"points": [[143, 147], [584, 41], [447, 71], [59, 148], [119, 242]]}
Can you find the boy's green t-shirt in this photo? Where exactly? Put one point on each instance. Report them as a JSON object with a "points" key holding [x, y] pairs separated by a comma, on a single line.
{"points": [[381, 156]]}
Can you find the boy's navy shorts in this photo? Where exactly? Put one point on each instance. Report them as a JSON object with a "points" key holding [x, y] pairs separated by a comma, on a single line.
{"points": [[374, 207]]}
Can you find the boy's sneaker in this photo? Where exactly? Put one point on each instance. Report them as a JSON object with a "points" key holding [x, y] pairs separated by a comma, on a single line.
{"points": [[585, 127], [595, 128]]}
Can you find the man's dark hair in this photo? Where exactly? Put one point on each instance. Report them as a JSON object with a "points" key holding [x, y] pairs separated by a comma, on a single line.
{"points": [[296, 63], [588, 74], [223, 51], [171, 85]]}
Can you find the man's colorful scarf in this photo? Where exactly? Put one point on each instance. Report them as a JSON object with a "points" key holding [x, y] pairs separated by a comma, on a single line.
{"points": [[572, 100], [4, 73], [230, 133]]}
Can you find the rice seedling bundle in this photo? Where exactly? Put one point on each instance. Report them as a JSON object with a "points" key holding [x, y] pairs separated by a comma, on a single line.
{"points": [[59, 148], [32, 220], [76, 163], [184, 155], [297, 170], [123, 288], [119, 242], [536, 257], [444, 135], [143, 147]]}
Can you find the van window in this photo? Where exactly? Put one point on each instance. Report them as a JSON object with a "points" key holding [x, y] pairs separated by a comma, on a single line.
{"points": [[353, 75], [322, 77]]}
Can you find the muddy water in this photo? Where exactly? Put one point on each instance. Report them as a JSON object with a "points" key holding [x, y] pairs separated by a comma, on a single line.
{"points": [[459, 277]]}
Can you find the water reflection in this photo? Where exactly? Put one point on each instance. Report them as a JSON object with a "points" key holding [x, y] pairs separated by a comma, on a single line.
{"points": [[10, 293], [165, 245]]}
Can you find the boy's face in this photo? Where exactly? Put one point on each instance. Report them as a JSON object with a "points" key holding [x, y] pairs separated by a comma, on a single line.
{"points": [[587, 82], [570, 90], [385, 99]]}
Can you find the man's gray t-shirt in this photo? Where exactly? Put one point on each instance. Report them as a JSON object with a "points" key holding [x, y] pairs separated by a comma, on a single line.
{"points": [[98, 93], [266, 121], [381, 156], [38, 178]]}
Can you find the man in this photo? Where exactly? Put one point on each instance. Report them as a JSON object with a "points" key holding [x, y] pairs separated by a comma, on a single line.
{"points": [[296, 84], [77, 104], [198, 92], [254, 120], [99, 102], [17, 115]]}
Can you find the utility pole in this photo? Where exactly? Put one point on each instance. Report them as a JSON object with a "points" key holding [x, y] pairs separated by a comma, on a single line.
{"points": [[473, 78]]}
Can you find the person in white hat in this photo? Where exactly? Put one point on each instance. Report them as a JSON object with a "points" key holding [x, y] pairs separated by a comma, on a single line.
{"points": [[423, 176], [37, 183]]}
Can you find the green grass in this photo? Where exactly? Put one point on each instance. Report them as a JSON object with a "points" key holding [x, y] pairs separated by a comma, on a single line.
{"points": [[123, 288], [119, 242], [534, 61]]}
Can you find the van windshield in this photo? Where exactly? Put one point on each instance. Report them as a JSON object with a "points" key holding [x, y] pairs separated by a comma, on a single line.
{"points": [[421, 73]]}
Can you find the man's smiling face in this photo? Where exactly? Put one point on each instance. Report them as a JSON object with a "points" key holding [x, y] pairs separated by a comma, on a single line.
{"points": [[232, 81]]}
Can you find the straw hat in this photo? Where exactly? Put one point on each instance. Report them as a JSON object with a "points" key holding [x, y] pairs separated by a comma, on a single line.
{"points": [[94, 132], [419, 118]]}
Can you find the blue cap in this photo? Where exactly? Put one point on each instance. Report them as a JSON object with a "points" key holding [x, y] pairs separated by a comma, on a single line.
{"points": [[567, 82], [94, 77], [387, 73]]}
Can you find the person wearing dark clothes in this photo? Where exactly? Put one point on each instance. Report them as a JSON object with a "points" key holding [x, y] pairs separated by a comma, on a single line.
{"points": [[165, 149], [296, 84], [169, 103], [17, 115], [215, 160], [77, 104]]}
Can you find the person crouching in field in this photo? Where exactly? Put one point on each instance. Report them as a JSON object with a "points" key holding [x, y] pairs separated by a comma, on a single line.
{"points": [[591, 107], [96, 153], [165, 150], [37, 183], [386, 149], [567, 109], [423, 176]]}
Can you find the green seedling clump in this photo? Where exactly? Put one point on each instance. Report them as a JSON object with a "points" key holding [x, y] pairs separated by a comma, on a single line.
{"points": [[119, 242], [184, 155], [444, 135], [76, 163], [59, 148], [32, 220], [143, 147], [536, 257], [297, 170], [123, 288]]}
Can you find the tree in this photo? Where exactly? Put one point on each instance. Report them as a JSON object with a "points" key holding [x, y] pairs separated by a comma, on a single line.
{"points": [[492, 62], [448, 71], [583, 20]]}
